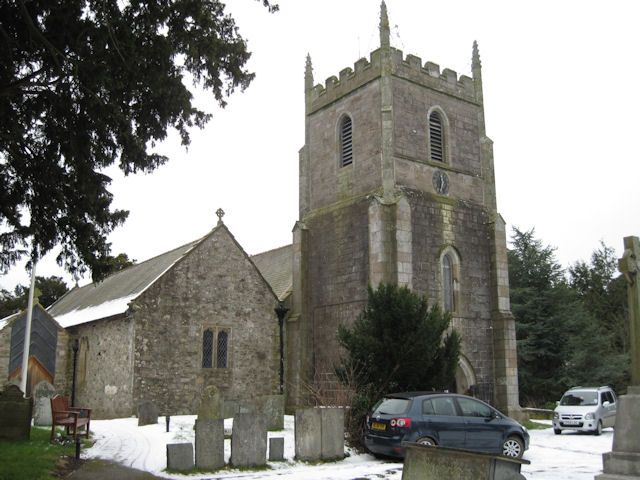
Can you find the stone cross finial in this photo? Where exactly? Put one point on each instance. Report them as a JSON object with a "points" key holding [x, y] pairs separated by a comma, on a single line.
{"points": [[220, 214], [629, 266]]}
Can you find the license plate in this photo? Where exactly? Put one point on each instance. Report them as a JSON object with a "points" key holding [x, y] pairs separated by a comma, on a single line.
{"points": [[378, 426], [571, 422]]}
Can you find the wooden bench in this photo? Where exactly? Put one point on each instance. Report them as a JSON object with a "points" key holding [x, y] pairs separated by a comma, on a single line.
{"points": [[72, 418]]}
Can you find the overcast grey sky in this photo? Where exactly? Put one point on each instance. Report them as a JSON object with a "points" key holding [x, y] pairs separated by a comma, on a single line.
{"points": [[562, 104]]}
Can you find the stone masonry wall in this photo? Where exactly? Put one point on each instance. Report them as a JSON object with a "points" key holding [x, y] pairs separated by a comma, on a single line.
{"points": [[103, 378], [438, 223], [215, 286]]}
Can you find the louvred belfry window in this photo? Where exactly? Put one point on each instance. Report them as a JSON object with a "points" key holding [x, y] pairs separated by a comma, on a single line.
{"points": [[436, 137], [346, 141]]}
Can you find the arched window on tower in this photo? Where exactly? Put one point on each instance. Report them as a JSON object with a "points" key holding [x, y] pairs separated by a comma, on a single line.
{"points": [[450, 275], [436, 136], [447, 283], [223, 344], [346, 141]]}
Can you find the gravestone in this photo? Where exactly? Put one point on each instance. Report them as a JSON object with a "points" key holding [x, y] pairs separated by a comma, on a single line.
{"points": [[147, 414], [332, 433], [179, 456], [249, 440], [273, 408], [276, 449], [209, 444], [42, 393], [15, 414], [623, 462], [308, 434], [211, 404]]}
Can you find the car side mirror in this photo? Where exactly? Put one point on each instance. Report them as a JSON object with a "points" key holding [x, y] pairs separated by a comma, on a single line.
{"points": [[557, 403], [606, 404]]}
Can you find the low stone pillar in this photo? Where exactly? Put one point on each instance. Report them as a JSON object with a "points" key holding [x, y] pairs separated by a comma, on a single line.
{"points": [[147, 414], [15, 414], [332, 433], [179, 456], [308, 434], [42, 393], [209, 444], [276, 449], [423, 462], [249, 440], [623, 462]]}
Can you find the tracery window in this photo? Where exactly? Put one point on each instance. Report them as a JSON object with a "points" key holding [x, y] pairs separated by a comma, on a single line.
{"points": [[222, 350], [207, 349]]}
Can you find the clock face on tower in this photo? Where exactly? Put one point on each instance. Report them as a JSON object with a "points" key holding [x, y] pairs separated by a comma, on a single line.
{"points": [[441, 182]]}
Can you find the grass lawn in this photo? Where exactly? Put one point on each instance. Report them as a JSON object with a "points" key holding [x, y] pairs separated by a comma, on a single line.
{"points": [[34, 459]]}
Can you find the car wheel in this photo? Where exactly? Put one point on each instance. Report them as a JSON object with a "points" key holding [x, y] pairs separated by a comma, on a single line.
{"points": [[598, 430], [426, 441], [557, 431], [513, 447]]}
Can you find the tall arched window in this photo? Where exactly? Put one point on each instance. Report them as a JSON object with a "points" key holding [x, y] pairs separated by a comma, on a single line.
{"points": [[207, 349], [436, 136], [447, 283], [346, 141], [223, 344]]}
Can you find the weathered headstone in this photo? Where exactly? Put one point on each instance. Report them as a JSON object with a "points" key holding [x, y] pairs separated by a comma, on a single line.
{"points": [[624, 460], [273, 408], [147, 413], [249, 440], [42, 393], [211, 404], [179, 456], [276, 449], [209, 444], [15, 414], [332, 433], [308, 434]]}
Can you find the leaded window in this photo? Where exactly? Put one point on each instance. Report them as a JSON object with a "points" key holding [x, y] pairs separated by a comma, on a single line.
{"points": [[346, 141], [436, 136], [222, 353], [447, 281], [207, 349]]}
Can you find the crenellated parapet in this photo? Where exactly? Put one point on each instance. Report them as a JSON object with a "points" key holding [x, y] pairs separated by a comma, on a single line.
{"points": [[409, 68]]}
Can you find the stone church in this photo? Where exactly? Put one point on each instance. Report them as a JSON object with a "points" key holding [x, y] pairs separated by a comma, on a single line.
{"points": [[396, 184]]}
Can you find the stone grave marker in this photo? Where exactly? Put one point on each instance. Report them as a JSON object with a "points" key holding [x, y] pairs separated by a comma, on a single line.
{"points": [[15, 414], [276, 449], [273, 408], [147, 413], [209, 444], [308, 434], [43, 392], [179, 456], [249, 440], [211, 404], [332, 433]]}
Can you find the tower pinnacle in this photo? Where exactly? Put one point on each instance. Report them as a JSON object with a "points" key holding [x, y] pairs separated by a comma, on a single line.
{"points": [[308, 73], [475, 60], [384, 26]]}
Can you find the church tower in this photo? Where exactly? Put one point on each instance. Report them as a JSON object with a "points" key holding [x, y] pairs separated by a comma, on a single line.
{"points": [[397, 185]]}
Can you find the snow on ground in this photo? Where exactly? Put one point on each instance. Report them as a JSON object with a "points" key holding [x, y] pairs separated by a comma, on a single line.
{"points": [[570, 456]]}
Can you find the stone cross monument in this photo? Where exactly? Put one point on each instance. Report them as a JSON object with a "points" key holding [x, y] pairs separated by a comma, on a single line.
{"points": [[623, 463]]}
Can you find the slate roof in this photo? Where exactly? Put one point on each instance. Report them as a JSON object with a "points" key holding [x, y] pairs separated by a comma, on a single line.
{"points": [[112, 296]]}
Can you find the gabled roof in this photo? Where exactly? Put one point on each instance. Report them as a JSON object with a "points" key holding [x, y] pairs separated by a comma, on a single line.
{"points": [[112, 295], [277, 269], [9, 320]]}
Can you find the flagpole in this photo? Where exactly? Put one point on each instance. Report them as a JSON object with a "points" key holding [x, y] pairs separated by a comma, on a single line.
{"points": [[27, 333]]}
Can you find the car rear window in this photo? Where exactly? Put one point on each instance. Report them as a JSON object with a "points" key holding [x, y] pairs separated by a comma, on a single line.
{"points": [[392, 406]]}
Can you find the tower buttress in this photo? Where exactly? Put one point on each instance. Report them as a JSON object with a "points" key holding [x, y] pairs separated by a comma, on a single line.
{"points": [[386, 108]]}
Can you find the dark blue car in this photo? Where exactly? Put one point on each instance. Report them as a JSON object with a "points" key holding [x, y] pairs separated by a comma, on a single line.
{"points": [[443, 419]]}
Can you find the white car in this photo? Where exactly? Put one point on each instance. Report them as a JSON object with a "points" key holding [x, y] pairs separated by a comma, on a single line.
{"points": [[585, 409]]}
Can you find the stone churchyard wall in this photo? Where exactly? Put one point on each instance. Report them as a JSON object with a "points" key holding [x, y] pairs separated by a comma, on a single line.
{"points": [[215, 287], [104, 367]]}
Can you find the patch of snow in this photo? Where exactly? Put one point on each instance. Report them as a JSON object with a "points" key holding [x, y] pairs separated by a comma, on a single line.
{"points": [[570, 456], [89, 314]]}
